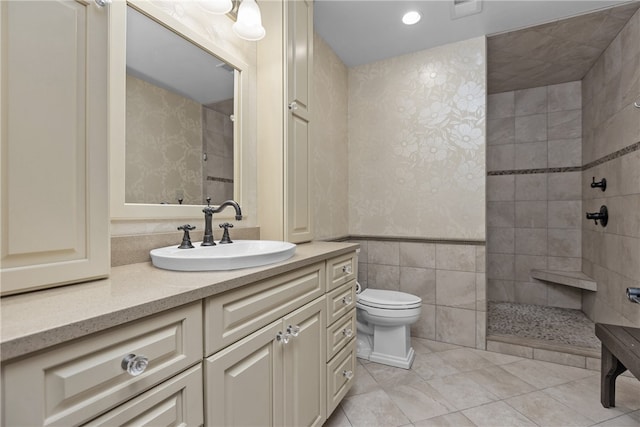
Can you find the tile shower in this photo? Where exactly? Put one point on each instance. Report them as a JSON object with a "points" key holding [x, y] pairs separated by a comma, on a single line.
{"points": [[544, 146]]}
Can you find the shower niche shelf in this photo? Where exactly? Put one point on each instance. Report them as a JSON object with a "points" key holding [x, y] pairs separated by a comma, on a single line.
{"points": [[575, 279]]}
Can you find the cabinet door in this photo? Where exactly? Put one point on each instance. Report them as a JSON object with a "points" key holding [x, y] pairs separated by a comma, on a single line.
{"points": [[54, 192], [244, 381], [304, 366], [298, 213]]}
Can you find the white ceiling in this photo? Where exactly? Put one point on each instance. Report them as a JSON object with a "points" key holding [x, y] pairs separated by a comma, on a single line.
{"points": [[363, 31]]}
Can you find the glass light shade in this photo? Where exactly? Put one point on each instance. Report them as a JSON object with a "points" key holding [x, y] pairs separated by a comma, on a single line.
{"points": [[248, 26], [218, 7], [411, 17]]}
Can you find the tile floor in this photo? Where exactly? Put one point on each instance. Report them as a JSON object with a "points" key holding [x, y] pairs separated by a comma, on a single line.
{"points": [[450, 385]]}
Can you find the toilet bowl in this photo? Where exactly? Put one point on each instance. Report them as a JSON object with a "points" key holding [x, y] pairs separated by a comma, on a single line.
{"points": [[384, 319]]}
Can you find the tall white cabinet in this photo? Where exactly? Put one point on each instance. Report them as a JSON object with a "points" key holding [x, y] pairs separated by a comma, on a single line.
{"points": [[285, 66], [55, 214]]}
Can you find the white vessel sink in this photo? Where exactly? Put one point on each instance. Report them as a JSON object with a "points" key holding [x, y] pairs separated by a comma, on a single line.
{"points": [[231, 256]]}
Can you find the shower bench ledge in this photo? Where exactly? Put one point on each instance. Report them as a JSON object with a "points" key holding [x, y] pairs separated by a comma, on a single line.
{"points": [[576, 279]]}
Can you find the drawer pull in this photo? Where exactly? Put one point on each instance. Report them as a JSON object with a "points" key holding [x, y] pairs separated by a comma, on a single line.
{"points": [[294, 331], [347, 332], [347, 269], [347, 300], [283, 338], [134, 365], [347, 374]]}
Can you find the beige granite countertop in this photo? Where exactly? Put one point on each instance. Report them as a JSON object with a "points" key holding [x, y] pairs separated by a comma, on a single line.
{"points": [[37, 320]]}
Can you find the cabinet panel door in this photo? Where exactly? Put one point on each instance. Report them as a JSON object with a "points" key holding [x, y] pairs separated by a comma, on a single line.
{"points": [[298, 215], [176, 402], [55, 212], [244, 381], [304, 366]]}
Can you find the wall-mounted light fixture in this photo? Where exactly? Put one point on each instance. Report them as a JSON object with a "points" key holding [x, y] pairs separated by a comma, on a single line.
{"points": [[248, 25]]}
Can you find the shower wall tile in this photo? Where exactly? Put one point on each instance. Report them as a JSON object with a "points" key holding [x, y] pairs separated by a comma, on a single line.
{"points": [[531, 186], [501, 131], [565, 186], [501, 188], [565, 297], [565, 96], [501, 240], [565, 214], [500, 214], [531, 241], [501, 105], [564, 153], [547, 123], [500, 157], [531, 214], [565, 124], [531, 155], [531, 128], [531, 293], [531, 101]]}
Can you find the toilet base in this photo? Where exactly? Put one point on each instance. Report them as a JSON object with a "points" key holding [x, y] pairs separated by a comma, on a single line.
{"points": [[365, 350]]}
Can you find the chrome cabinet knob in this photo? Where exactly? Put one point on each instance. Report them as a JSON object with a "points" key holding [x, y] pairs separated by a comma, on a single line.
{"points": [[347, 300], [134, 365], [347, 269], [283, 338], [348, 374], [347, 332]]}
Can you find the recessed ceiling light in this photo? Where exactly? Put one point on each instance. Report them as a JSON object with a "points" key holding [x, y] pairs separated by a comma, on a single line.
{"points": [[411, 17]]}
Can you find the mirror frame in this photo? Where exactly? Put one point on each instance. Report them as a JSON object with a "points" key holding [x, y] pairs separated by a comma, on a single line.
{"points": [[120, 209]]}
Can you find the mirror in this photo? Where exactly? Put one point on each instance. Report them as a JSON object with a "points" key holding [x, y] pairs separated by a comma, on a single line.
{"points": [[179, 118], [179, 110]]}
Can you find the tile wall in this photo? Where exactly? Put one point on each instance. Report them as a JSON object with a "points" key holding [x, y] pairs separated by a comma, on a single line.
{"points": [[449, 278], [611, 150], [534, 206], [217, 141]]}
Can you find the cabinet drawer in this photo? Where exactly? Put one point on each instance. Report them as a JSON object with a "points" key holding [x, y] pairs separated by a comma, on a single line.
{"points": [[72, 383], [175, 402], [235, 314], [340, 301], [341, 270], [340, 375], [340, 333]]}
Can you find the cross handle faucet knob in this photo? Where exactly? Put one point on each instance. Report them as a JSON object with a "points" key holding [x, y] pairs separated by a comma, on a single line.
{"points": [[225, 234]]}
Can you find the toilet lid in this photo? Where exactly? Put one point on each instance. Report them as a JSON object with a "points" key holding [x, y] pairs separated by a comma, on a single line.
{"points": [[383, 298]]}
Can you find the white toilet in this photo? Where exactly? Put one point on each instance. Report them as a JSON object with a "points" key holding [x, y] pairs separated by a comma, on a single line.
{"points": [[384, 319]]}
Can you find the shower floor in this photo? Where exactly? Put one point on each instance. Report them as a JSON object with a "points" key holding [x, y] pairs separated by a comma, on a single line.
{"points": [[551, 325]]}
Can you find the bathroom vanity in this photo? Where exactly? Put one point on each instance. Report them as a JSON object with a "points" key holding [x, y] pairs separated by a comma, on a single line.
{"points": [[261, 346]]}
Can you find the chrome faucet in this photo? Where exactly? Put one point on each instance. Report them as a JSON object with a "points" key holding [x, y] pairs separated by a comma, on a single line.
{"points": [[207, 239]]}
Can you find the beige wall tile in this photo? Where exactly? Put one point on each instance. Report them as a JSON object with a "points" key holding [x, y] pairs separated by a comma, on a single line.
{"points": [[564, 96], [421, 255], [531, 186], [531, 214], [500, 157], [531, 155], [564, 297], [565, 214], [425, 327], [525, 263], [500, 214], [481, 292], [564, 242], [564, 153], [481, 330], [501, 266], [501, 290], [565, 186], [501, 188], [456, 257], [456, 326], [501, 105], [387, 253], [501, 131], [531, 241], [456, 289], [531, 293], [383, 277], [500, 240], [512, 349], [420, 282], [481, 259]]}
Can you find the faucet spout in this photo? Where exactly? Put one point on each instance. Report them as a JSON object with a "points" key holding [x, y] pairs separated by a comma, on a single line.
{"points": [[233, 204]]}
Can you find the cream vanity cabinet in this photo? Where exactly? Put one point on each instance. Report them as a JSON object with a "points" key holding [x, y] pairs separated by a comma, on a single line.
{"points": [[54, 193], [105, 374], [275, 373], [285, 68]]}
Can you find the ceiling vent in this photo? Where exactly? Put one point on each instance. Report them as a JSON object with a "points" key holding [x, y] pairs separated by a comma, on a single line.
{"points": [[462, 8]]}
